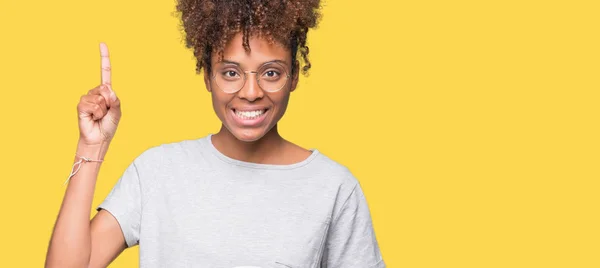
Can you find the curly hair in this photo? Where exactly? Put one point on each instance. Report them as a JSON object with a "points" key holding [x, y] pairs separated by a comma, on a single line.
{"points": [[209, 24]]}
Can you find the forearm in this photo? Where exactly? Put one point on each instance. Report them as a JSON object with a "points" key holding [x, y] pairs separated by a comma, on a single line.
{"points": [[71, 241]]}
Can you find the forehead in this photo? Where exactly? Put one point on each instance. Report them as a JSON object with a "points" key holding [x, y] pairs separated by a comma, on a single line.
{"points": [[260, 51]]}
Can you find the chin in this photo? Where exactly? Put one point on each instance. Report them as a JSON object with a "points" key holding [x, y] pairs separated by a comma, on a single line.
{"points": [[248, 135]]}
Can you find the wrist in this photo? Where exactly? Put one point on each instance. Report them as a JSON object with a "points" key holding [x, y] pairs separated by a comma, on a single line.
{"points": [[93, 151]]}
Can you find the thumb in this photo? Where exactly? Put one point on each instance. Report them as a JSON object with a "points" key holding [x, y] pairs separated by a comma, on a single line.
{"points": [[113, 95], [115, 104]]}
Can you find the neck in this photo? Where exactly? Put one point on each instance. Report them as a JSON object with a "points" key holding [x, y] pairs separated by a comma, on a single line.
{"points": [[261, 151]]}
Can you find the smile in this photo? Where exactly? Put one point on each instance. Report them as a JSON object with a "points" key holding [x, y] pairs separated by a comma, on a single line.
{"points": [[250, 114], [249, 118]]}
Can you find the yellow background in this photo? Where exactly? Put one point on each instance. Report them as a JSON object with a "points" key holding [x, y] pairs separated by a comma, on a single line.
{"points": [[471, 125]]}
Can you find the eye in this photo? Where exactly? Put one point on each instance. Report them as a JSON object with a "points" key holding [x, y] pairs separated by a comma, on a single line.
{"points": [[230, 74], [271, 74]]}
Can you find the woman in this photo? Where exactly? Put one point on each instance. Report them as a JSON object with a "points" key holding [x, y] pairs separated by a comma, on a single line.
{"points": [[243, 197]]}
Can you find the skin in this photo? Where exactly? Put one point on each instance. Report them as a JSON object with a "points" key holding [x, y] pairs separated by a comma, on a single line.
{"points": [[262, 144], [78, 242]]}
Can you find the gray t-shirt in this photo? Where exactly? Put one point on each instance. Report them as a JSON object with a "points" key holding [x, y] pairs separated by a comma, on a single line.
{"points": [[188, 205]]}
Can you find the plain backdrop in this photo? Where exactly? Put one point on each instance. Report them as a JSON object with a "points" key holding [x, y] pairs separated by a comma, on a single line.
{"points": [[472, 126]]}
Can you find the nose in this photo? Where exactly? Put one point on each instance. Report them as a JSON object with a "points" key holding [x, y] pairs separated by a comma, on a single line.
{"points": [[251, 91]]}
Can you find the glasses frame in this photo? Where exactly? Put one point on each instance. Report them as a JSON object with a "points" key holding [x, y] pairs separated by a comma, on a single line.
{"points": [[287, 77]]}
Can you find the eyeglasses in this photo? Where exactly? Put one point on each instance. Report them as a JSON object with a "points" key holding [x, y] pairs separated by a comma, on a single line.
{"points": [[230, 78]]}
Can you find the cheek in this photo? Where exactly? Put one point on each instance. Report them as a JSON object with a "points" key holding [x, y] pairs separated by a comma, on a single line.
{"points": [[219, 105], [283, 102]]}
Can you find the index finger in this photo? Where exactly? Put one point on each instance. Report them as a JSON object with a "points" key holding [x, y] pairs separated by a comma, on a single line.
{"points": [[105, 62]]}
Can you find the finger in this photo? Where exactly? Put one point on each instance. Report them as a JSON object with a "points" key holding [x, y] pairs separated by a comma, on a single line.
{"points": [[99, 109], [84, 110], [97, 105], [93, 95], [105, 64], [89, 110], [104, 91]]}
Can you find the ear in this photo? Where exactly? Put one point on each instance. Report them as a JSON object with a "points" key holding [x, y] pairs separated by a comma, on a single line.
{"points": [[207, 79], [295, 75]]}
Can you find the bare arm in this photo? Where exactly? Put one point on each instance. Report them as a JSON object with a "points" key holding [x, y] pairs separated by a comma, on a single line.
{"points": [[76, 241], [107, 239]]}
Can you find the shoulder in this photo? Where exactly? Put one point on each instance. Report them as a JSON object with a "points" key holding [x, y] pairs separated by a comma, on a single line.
{"points": [[337, 184], [326, 164], [165, 153], [161, 165], [334, 173]]}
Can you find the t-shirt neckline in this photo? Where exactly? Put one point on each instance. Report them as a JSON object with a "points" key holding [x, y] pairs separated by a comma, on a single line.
{"points": [[207, 141]]}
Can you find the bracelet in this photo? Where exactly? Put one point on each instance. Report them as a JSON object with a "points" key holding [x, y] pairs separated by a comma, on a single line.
{"points": [[82, 160]]}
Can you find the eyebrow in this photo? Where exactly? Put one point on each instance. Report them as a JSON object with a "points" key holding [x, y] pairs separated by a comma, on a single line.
{"points": [[238, 64]]}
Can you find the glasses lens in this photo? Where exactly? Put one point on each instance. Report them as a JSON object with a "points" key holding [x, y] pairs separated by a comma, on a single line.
{"points": [[229, 78], [272, 77]]}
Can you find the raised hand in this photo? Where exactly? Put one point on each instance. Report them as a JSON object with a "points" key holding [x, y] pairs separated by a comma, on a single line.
{"points": [[100, 109]]}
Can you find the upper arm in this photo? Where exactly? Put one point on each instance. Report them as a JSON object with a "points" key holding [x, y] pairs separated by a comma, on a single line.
{"points": [[116, 226], [107, 239], [351, 240]]}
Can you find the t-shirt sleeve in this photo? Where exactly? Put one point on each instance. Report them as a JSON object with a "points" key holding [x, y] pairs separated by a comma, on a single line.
{"points": [[351, 241], [124, 203]]}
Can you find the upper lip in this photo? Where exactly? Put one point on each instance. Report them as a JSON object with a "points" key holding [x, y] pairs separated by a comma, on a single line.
{"points": [[248, 109]]}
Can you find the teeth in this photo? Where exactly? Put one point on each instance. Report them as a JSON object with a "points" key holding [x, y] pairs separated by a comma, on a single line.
{"points": [[249, 114]]}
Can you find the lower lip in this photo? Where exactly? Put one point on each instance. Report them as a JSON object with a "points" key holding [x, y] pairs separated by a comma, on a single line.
{"points": [[249, 122]]}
